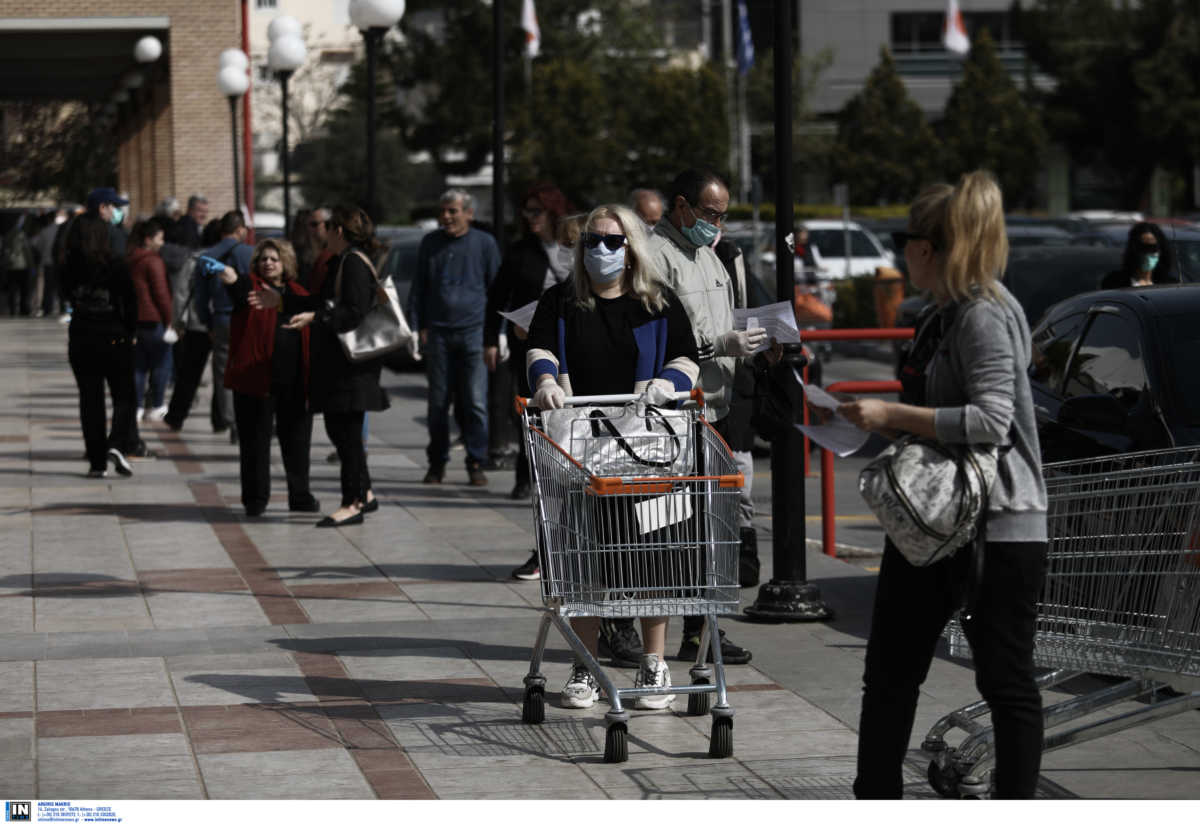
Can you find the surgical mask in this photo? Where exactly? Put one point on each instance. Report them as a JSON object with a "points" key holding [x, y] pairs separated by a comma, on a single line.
{"points": [[604, 266], [701, 233], [118, 214], [1149, 262]]}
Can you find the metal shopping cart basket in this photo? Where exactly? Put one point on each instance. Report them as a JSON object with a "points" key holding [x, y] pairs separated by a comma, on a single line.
{"points": [[635, 512], [1121, 598]]}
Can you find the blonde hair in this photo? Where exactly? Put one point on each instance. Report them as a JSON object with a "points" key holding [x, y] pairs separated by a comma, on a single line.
{"points": [[640, 277], [965, 224], [569, 229], [287, 256]]}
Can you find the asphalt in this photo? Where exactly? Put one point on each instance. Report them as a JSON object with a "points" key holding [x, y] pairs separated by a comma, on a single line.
{"points": [[155, 643]]}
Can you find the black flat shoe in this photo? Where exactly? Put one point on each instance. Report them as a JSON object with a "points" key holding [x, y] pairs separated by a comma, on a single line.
{"points": [[351, 521], [371, 506]]}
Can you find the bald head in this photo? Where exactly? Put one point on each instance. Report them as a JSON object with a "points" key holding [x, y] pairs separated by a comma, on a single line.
{"points": [[648, 204]]}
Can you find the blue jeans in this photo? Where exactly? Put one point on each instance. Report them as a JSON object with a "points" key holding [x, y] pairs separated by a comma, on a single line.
{"points": [[454, 361], [151, 356]]}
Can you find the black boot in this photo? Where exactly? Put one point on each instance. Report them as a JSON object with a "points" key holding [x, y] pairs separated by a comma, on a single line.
{"points": [[748, 558]]}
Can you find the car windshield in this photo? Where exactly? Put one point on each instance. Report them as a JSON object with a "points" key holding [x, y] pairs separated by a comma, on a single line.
{"points": [[1039, 283], [1181, 337], [1188, 252], [831, 243]]}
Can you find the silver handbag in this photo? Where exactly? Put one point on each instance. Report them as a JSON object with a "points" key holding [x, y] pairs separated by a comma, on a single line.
{"points": [[624, 441], [383, 329], [929, 496]]}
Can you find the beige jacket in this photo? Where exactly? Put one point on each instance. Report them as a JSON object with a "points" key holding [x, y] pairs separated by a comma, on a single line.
{"points": [[700, 280]]}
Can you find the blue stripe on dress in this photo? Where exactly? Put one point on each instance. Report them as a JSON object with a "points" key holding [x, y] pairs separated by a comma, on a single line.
{"points": [[650, 339], [682, 382]]}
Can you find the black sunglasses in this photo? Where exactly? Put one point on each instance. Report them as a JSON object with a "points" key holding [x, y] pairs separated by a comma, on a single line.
{"points": [[611, 242], [1147, 248], [900, 239]]}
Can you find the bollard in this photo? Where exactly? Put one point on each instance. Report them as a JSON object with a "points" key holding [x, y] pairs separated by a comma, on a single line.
{"points": [[889, 293]]}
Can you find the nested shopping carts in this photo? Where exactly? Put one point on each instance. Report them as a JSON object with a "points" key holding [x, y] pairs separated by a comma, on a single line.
{"points": [[635, 513], [1121, 598]]}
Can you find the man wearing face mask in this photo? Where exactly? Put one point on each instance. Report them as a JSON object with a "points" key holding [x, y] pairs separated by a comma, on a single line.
{"points": [[110, 207], [681, 245]]}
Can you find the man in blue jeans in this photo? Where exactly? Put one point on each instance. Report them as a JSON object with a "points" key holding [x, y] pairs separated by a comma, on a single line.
{"points": [[456, 265]]}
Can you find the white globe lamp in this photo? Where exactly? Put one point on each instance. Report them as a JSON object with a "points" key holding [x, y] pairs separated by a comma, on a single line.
{"points": [[147, 50]]}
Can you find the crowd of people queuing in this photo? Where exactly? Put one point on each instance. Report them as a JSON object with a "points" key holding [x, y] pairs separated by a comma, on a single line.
{"points": [[635, 297]]}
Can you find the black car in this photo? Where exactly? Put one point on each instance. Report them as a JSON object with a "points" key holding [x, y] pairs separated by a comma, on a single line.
{"points": [[1185, 240], [1114, 371]]}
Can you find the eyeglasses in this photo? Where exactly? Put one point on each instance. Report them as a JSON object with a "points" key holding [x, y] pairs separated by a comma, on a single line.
{"points": [[537, 211], [715, 218], [313, 224], [591, 240], [901, 239]]}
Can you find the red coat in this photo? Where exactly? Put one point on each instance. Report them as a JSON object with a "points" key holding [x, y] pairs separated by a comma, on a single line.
{"points": [[252, 344], [150, 285]]}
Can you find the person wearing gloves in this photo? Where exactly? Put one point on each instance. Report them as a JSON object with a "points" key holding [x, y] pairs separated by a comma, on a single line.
{"points": [[681, 248], [612, 328]]}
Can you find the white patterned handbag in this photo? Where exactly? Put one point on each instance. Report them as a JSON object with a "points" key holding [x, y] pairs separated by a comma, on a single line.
{"points": [[383, 329], [929, 496]]}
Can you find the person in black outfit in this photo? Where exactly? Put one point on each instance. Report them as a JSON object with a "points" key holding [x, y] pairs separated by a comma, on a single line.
{"points": [[1148, 259], [100, 341], [268, 373], [341, 389], [531, 265]]}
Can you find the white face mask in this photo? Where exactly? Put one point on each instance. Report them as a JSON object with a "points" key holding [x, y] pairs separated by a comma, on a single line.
{"points": [[602, 265]]}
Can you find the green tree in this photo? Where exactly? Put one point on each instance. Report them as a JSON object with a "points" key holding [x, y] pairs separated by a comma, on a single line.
{"points": [[59, 150], [987, 124], [885, 150]]}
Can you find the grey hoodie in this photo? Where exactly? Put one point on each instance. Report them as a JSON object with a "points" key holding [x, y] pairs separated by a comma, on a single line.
{"points": [[978, 385]]}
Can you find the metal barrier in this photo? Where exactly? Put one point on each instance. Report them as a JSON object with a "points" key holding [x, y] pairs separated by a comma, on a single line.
{"points": [[828, 516]]}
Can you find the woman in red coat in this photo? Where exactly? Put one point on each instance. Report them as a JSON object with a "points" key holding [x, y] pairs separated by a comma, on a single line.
{"points": [[268, 373], [151, 354]]}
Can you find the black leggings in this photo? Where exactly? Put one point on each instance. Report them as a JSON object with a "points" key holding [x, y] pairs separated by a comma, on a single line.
{"points": [[912, 606], [96, 359], [345, 430]]}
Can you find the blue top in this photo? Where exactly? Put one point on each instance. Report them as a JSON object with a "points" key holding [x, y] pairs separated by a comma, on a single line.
{"points": [[212, 302], [453, 277]]}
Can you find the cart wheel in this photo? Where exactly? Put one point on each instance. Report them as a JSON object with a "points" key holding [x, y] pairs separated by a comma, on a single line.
{"points": [[720, 745], [533, 709], [944, 782], [616, 747], [699, 703]]}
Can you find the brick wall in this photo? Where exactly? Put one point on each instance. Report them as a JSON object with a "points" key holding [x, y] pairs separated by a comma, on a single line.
{"points": [[178, 141]]}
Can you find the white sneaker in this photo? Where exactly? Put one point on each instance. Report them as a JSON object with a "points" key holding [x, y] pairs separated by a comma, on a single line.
{"points": [[653, 673], [158, 413], [141, 413], [581, 690]]}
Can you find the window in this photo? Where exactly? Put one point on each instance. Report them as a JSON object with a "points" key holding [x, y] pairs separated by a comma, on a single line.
{"points": [[1109, 361], [1052, 345], [265, 4], [832, 243], [921, 31]]}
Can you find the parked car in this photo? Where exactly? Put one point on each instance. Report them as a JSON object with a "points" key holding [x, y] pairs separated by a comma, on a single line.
{"points": [[1113, 372], [867, 253], [1036, 234]]}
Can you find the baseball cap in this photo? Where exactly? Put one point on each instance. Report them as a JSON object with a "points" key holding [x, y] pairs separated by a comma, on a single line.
{"points": [[105, 194]]}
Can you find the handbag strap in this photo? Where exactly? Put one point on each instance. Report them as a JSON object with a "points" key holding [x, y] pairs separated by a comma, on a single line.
{"points": [[598, 418], [337, 284]]}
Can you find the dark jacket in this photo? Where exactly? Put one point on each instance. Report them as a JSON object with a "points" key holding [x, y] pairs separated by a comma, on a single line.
{"points": [[335, 383], [252, 335], [519, 281], [150, 284], [102, 297], [211, 302]]}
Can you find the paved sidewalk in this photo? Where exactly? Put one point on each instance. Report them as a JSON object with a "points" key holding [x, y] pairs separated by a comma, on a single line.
{"points": [[154, 643]]}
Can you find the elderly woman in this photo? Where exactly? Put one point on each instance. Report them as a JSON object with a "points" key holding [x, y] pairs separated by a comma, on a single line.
{"points": [[965, 382], [620, 331], [268, 373]]}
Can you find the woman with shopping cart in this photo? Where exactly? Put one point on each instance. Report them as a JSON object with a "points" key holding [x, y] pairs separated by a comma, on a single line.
{"points": [[611, 328], [965, 383]]}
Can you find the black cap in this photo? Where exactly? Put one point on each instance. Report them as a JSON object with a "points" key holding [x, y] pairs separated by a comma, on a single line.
{"points": [[105, 194]]}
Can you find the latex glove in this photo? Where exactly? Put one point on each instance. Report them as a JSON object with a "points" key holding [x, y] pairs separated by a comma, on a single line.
{"points": [[549, 394], [658, 392], [504, 350], [740, 343]]}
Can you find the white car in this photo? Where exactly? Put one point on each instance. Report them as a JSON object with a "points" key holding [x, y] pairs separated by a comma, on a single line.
{"points": [[828, 237]]}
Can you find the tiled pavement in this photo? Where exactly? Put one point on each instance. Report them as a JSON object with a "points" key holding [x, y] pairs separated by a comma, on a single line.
{"points": [[156, 644]]}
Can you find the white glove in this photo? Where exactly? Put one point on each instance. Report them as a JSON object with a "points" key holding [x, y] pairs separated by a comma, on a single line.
{"points": [[504, 350], [740, 343], [549, 394], [658, 392]]}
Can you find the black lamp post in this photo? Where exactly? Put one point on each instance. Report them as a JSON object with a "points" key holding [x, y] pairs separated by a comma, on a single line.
{"points": [[233, 83], [373, 18], [287, 53]]}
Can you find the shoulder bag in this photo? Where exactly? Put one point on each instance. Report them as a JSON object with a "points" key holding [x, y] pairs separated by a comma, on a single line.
{"points": [[383, 329]]}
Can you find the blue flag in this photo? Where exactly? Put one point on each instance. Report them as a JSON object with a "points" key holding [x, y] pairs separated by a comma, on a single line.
{"points": [[745, 46]]}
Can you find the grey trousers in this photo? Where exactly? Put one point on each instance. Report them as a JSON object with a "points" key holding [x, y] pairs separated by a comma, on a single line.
{"points": [[222, 411]]}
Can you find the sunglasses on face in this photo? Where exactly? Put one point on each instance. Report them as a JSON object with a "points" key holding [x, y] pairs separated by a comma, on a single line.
{"points": [[591, 240], [1147, 248], [536, 211], [901, 239]]}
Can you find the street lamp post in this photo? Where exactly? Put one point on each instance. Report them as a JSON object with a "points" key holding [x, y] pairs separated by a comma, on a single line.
{"points": [[373, 18], [286, 54], [233, 82]]}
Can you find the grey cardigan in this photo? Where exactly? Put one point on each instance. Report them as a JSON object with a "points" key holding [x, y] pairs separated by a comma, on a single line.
{"points": [[978, 384]]}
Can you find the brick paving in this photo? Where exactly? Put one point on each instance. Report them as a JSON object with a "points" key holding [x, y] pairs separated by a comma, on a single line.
{"points": [[154, 643]]}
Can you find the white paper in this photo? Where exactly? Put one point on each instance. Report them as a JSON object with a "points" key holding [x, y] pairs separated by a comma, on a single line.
{"points": [[523, 316], [663, 511], [779, 319], [838, 435]]}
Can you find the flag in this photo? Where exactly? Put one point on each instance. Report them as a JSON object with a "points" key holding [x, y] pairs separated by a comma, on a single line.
{"points": [[745, 46], [533, 35], [954, 33]]}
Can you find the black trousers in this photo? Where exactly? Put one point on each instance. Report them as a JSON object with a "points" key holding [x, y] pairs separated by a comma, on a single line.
{"points": [[912, 606], [286, 408], [97, 359], [191, 354], [345, 430]]}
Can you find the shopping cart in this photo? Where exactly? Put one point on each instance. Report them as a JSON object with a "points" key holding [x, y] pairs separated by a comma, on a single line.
{"points": [[1121, 598], [625, 541]]}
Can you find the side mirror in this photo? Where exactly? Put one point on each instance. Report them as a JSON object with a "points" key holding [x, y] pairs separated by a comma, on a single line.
{"points": [[1103, 413]]}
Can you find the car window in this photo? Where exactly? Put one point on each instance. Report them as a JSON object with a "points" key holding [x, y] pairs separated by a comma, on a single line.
{"points": [[832, 243], [1181, 341], [1109, 361], [1188, 252], [1053, 343]]}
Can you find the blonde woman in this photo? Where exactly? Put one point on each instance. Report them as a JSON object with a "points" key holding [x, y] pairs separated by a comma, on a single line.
{"points": [[612, 328], [964, 383]]}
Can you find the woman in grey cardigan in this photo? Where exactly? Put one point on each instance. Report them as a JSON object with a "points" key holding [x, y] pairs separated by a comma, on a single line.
{"points": [[964, 383]]}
